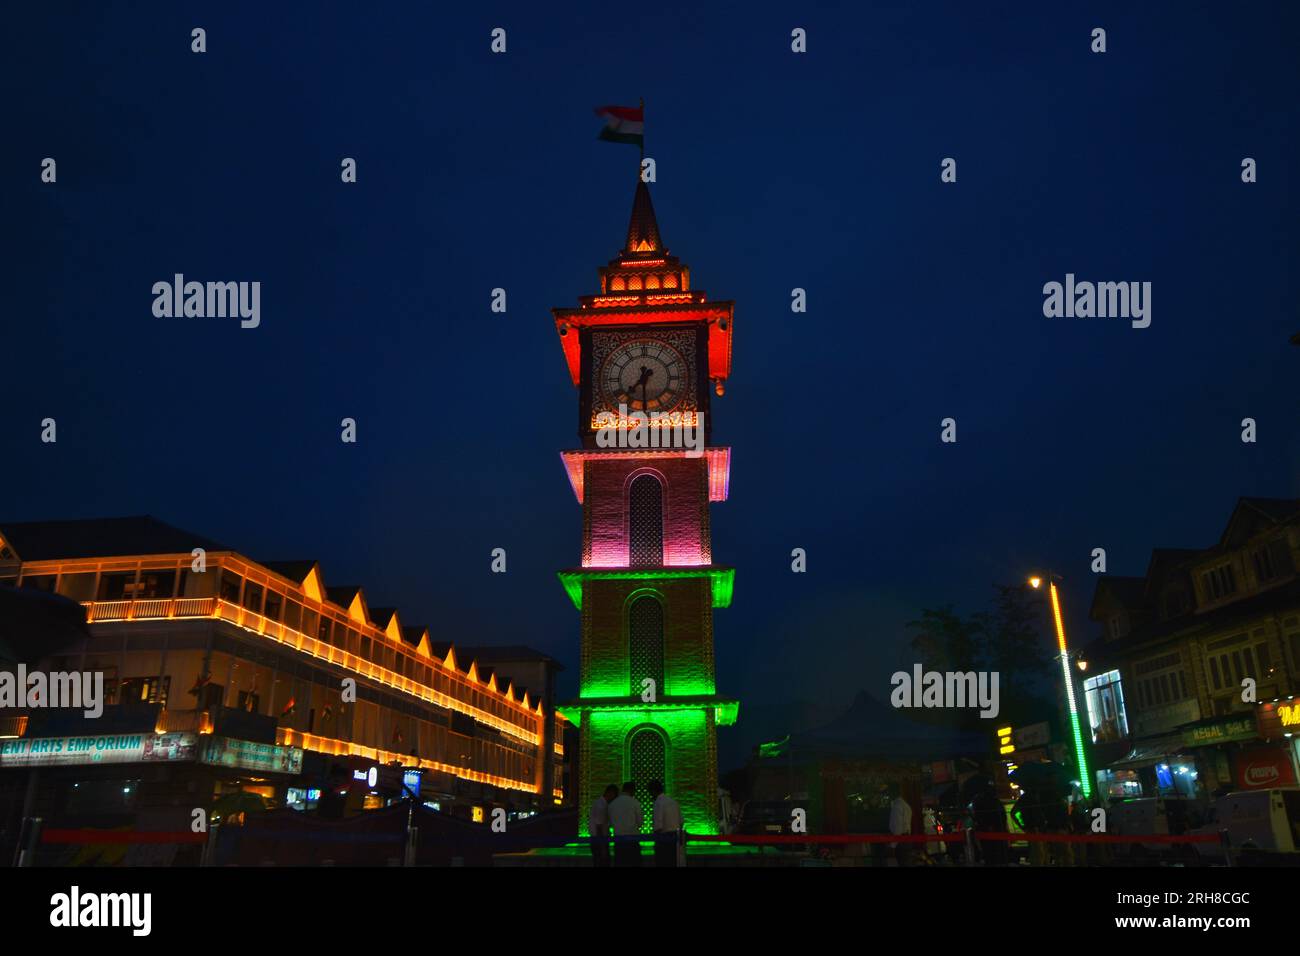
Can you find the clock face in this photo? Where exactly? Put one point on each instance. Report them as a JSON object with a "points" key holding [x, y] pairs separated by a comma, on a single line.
{"points": [[651, 371], [646, 375]]}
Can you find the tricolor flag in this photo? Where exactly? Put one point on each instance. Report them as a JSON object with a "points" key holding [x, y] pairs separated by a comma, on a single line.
{"points": [[623, 124]]}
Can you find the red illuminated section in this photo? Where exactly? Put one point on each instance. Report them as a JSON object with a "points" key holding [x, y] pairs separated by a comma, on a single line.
{"points": [[641, 311], [645, 285]]}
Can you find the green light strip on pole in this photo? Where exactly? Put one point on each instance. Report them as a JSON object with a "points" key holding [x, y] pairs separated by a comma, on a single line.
{"points": [[1084, 782]]}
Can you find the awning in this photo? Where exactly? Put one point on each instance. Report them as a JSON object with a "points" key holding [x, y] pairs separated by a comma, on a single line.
{"points": [[1160, 750]]}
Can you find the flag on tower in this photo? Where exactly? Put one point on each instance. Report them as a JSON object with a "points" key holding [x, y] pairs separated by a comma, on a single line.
{"points": [[623, 124]]}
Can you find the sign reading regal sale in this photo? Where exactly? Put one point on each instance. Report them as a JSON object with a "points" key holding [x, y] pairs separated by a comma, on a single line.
{"points": [[109, 748]]}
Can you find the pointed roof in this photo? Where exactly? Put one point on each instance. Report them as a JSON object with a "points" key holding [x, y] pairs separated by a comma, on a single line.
{"points": [[643, 228]]}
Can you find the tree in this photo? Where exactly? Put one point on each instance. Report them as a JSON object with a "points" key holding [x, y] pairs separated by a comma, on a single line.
{"points": [[943, 641], [1007, 639], [1012, 643]]}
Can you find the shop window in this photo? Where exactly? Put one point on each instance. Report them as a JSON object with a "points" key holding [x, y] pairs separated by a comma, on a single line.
{"points": [[253, 597], [230, 584], [274, 605], [1105, 701], [155, 585], [1272, 561], [1219, 582], [145, 690], [211, 696], [116, 586]]}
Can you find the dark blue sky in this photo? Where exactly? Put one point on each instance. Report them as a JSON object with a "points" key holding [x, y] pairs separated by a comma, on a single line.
{"points": [[774, 171]]}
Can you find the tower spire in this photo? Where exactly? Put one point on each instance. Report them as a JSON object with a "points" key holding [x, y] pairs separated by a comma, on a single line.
{"points": [[643, 228]]}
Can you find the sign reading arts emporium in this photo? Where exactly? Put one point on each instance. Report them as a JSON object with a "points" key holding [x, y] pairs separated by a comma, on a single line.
{"points": [[110, 748]]}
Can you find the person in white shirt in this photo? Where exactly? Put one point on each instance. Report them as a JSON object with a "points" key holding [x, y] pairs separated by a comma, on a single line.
{"points": [[667, 826], [627, 818], [598, 826], [900, 824]]}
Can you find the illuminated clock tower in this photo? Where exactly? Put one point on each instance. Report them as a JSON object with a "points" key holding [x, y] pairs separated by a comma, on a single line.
{"points": [[648, 346]]}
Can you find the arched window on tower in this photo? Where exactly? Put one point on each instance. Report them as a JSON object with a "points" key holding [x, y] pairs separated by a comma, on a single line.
{"points": [[645, 525], [647, 757], [645, 644]]}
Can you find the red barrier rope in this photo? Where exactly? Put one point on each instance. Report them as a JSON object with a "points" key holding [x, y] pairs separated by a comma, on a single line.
{"points": [[960, 837], [121, 836]]}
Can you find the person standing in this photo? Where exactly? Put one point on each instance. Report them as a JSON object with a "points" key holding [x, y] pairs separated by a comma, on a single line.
{"points": [[990, 817], [598, 826], [667, 825], [900, 824], [626, 818]]}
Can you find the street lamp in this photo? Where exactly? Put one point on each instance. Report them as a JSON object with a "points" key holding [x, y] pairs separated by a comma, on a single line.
{"points": [[1036, 582]]}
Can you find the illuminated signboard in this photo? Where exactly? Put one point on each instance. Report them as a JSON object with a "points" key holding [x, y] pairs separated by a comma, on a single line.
{"points": [[109, 748], [1005, 746], [1290, 714], [411, 781], [247, 755], [1239, 728], [371, 776]]}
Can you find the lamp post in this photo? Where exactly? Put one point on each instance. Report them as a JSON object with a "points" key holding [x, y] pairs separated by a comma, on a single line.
{"points": [[1036, 582]]}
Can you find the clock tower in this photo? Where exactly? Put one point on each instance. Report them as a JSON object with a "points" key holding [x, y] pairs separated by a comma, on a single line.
{"points": [[646, 354]]}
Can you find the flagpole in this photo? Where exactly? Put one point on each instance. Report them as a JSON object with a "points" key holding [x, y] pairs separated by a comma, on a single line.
{"points": [[639, 164]]}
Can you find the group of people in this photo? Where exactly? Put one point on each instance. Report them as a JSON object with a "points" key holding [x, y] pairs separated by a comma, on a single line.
{"points": [[619, 814]]}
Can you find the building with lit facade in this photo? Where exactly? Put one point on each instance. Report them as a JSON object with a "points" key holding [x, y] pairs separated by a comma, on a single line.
{"points": [[1164, 684], [648, 344], [229, 674]]}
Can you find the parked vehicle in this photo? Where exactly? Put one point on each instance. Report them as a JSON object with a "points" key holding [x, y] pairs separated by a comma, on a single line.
{"points": [[1261, 823], [1154, 816], [764, 817]]}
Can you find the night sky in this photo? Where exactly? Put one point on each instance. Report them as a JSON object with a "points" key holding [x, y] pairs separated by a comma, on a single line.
{"points": [[775, 170]]}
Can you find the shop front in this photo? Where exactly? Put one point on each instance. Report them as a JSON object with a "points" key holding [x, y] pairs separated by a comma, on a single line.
{"points": [[1159, 766], [1276, 763], [1193, 762], [136, 782]]}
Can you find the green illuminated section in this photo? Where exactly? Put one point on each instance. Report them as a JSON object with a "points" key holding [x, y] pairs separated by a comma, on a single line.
{"points": [[613, 685], [723, 580], [686, 778], [725, 710]]}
